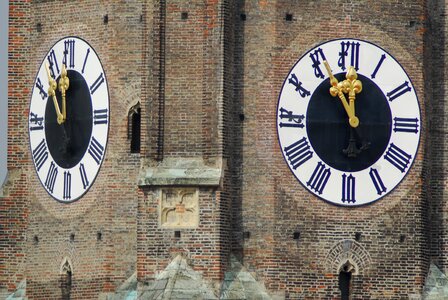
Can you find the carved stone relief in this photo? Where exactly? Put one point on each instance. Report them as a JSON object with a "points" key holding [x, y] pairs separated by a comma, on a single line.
{"points": [[179, 208]]}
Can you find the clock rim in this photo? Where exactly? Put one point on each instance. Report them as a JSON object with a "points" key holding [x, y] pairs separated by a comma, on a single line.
{"points": [[316, 45], [107, 130]]}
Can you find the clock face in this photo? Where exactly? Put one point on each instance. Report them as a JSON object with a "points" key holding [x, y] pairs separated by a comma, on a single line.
{"points": [[69, 119], [353, 144]]}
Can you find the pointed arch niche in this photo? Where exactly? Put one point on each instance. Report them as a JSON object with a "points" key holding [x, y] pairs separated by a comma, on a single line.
{"points": [[134, 127], [66, 274]]}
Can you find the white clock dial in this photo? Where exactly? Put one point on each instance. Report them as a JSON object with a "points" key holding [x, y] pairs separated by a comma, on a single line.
{"points": [[332, 157], [69, 119]]}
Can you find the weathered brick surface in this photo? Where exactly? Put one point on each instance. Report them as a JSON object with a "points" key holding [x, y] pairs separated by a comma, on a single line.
{"points": [[109, 208], [207, 75], [274, 205]]}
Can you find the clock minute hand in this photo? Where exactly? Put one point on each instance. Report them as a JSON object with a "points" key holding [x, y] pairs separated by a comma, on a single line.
{"points": [[337, 89], [52, 92]]}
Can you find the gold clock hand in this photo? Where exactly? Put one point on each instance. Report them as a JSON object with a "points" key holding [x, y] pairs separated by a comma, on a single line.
{"points": [[51, 91], [352, 86], [337, 89], [64, 83]]}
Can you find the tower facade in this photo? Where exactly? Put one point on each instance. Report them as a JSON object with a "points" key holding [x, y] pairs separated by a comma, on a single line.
{"points": [[210, 172]]}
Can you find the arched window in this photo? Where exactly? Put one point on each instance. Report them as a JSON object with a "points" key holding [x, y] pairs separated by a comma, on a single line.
{"points": [[66, 281], [345, 278], [134, 121]]}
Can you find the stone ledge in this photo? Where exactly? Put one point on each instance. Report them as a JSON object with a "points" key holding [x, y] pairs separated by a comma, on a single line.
{"points": [[181, 171]]}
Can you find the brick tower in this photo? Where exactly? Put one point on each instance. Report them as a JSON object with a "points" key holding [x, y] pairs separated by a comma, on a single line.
{"points": [[194, 197]]}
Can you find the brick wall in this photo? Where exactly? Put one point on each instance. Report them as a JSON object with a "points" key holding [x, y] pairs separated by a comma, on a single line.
{"points": [[437, 147], [14, 205], [98, 232], [274, 205], [187, 114]]}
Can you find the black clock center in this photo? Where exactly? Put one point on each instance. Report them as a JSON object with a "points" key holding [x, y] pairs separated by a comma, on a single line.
{"points": [[67, 142], [332, 137]]}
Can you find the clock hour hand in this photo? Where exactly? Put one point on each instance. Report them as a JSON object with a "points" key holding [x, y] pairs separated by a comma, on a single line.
{"points": [[338, 89], [52, 92], [64, 83]]}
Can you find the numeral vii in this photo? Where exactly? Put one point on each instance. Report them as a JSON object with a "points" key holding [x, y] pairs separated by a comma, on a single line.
{"points": [[40, 154], [298, 153], [397, 157], [96, 150], [51, 177], [319, 178]]}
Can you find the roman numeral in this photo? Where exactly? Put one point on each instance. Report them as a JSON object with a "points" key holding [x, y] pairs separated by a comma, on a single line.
{"points": [[42, 91], [85, 60], [319, 178], [51, 177], [348, 188], [96, 150], [99, 81], [37, 121], [298, 86], [400, 90], [406, 125], [298, 153], [100, 116], [377, 182], [383, 57], [291, 119], [67, 185], [52, 61], [69, 49], [354, 54], [82, 172], [397, 157], [316, 62], [40, 154]]}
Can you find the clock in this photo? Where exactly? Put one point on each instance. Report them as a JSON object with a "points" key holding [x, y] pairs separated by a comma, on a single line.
{"points": [[69, 119], [348, 122]]}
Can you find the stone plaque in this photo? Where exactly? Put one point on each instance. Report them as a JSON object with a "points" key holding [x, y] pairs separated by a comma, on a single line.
{"points": [[179, 208]]}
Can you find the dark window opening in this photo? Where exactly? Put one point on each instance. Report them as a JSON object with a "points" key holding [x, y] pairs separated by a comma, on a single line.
{"points": [[345, 277], [134, 125], [66, 282]]}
